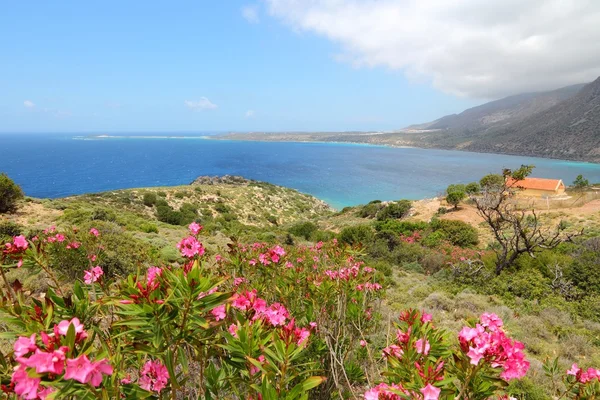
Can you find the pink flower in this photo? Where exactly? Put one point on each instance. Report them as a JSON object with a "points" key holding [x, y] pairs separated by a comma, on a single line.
{"points": [[302, 335], [276, 314], [422, 346], [47, 362], [94, 232], [218, 258], [92, 275], [60, 237], [491, 321], [233, 328], [99, 368], [79, 369], [393, 351], [20, 242], [152, 276], [24, 346], [363, 343], [573, 371], [189, 247], [154, 376], [430, 392], [194, 228], [426, 317], [25, 386], [475, 355], [219, 312], [63, 327]]}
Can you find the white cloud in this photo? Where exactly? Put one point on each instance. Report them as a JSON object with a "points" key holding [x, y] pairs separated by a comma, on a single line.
{"points": [[250, 114], [250, 13], [202, 104], [29, 104], [474, 48]]}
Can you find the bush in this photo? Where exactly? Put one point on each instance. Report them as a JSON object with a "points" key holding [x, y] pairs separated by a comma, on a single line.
{"points": [[356, 234], [458, 233], [10, 229], [401, 227], [303, 229], [149, 228], [10, 193], [370, 210], [161, 203], [149, 199], [395, 210]]}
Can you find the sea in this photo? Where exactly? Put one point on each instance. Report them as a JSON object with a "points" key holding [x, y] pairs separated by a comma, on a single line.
{"points": [[55, 165]]}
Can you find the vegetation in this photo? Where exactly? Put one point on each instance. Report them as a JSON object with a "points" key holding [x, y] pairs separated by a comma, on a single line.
{"points": [[228, 312], [10, 194]]}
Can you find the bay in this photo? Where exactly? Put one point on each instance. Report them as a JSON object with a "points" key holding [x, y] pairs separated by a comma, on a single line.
{"points": [[58, 165]]}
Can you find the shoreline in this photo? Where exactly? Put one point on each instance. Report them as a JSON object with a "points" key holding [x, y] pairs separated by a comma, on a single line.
{"points": [[390, 145]]}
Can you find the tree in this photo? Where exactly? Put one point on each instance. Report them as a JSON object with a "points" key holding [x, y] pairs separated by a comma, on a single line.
{"points": [[516, 231], [473, 188], [454, 198], [580, 183], [455, 194], [492, 182], [10, 193]]}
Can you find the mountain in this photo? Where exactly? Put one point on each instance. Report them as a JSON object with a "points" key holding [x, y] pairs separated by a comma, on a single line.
{"points": [[489, 116], [568, 130]]}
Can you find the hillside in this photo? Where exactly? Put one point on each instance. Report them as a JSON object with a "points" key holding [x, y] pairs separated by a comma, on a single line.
{"points": [[303, 260], [570, 130], [481, 119]]}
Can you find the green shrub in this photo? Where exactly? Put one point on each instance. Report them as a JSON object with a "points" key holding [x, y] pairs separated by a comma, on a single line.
{"points": [[181, 195], [458, 233], [161, 203], [272, 219], [356, 234], [161, 194], [149, 228], [8, 230], [10, 194], [394, 210], [370, 210], [401, 227], [434, 239], [222, 208], [303, 229], [102, 214], [149, 199]]}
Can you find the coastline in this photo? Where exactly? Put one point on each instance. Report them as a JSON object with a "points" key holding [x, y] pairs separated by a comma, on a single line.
{"points": [[225, 137]]}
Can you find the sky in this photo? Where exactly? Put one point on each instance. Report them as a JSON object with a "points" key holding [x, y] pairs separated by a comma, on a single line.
{"points": [[281, 65]]}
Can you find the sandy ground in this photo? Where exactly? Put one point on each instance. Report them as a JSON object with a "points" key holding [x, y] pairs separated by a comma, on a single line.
{"points": [[33, 215]]}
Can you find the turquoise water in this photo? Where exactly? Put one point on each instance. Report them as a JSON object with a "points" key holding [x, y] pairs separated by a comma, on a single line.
{"points": [[56, 165]]}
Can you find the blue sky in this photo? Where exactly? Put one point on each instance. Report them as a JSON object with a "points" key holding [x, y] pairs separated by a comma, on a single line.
{"points": [[116, 66]]}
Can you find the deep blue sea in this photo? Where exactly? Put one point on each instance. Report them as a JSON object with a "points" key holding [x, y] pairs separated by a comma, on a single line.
{"points": [[56, 165]]}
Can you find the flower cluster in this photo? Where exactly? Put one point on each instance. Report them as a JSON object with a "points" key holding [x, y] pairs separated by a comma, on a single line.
{"points": [[93, 275], [275, 314], [489, 342], [48, 358], [190, 247], [584, 376], [154, 376]]}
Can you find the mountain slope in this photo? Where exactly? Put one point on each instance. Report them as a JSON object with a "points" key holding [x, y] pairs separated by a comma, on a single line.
{"points": [[486, 117], [570, 130]]}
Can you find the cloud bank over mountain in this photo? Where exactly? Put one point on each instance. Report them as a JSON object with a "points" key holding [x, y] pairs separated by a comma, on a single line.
{"points": [[466, 47]]}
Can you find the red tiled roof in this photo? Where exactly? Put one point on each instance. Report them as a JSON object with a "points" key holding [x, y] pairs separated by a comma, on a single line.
{"points": [[535, 183]]}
